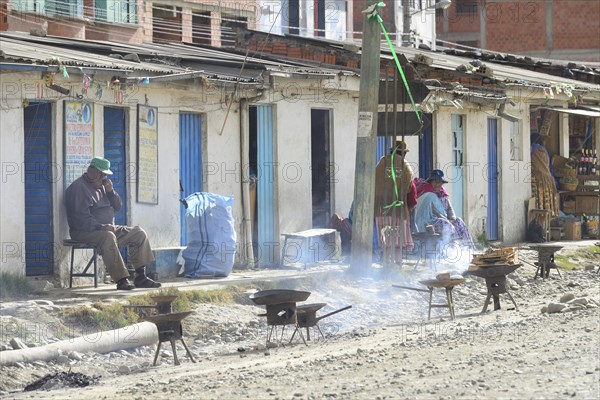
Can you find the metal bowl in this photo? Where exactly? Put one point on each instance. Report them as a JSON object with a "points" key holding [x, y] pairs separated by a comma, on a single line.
{"points": [[308, 308], [162, 318], [494, 271], [551, 248], [164, 299], [278, 296]]}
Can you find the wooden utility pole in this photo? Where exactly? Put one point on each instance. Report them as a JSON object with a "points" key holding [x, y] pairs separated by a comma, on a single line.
{"points": [[364, 181]]}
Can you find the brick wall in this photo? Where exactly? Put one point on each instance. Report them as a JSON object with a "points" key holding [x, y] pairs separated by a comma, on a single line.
{"points": [[280, 46], [386, 13], [515, 26], [458, 21], [576, 24], [115, 33], [520, 26], [3, 16], [261, 42]]}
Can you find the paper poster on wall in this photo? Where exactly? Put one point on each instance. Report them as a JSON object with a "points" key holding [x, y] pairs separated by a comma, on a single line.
{"points": [[79, 139], [147, 155]]}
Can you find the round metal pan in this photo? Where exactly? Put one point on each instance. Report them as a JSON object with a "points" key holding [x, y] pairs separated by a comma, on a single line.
{"points": [[162, 318], [278, 296], [493, 271], [164, 299], [308, 308]]}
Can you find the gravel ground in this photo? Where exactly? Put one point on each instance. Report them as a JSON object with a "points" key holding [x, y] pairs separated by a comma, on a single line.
{"points": [[382, 348]]}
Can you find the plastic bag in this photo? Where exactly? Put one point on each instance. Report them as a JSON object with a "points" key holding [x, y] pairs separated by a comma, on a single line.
{"points": [[210, 252]]}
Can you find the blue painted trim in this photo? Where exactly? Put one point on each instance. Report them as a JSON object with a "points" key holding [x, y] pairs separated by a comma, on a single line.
{"points": [[266, 186], [190, 162], [492, 177]]}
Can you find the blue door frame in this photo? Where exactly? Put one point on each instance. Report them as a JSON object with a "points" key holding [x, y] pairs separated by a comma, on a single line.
{"points": [[492, 177], [267, 240], [456, 172], [115, 150], [190, 162], [426, 148], [38, 177]]}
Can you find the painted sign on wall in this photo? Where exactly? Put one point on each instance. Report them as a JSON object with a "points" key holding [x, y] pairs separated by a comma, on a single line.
{"points": [[79, 139], [147, 153]]}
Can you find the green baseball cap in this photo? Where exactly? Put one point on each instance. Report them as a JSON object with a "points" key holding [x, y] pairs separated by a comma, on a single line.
{"points": [[101, 164]]}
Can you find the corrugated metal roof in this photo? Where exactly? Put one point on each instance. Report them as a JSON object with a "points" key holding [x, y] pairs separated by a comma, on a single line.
{"points": [[20, 51], [504, 73], [217, 64]]}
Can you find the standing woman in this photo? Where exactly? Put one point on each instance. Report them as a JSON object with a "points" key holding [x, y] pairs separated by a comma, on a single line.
{"points": [[543, 185], [395, 196]]}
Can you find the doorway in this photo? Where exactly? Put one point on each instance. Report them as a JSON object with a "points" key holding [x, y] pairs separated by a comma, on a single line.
{"points": [[190, 164], [262, 185], [456, 170], [115, 150], [321, 168], [38, 176], [492, 177]]}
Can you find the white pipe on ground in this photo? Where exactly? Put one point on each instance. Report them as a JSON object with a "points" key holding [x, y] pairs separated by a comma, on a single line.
{"points": [[142, 334]]}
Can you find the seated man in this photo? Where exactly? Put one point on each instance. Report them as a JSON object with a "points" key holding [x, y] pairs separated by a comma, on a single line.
{"points": [[443, 209], [91, 203]]}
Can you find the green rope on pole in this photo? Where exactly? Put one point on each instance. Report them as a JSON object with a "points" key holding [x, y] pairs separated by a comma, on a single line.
{"points": [[397, 202], [372, 12], [389, 42]]}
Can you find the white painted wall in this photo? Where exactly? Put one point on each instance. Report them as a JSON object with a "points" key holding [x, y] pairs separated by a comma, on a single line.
{"points": [[222, 166], [515, 183], [293, 144], [12, 188]]}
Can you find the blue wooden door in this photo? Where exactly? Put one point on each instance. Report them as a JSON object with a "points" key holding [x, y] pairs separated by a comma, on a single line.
{"points": [[426, 148], [115, 150], [269, 255], [190, 162], [456, 170], [38, 176], [383, 145], [492, 177]]}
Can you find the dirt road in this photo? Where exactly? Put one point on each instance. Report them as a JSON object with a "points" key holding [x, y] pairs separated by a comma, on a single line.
{"points": [[383, 348]]}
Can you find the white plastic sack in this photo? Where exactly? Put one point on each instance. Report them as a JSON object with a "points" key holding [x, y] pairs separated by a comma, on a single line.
{"points": [[212, 240]]}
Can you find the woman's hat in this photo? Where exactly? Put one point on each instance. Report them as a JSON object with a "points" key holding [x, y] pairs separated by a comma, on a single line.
{"points": [[400, 147], [436, 175]]}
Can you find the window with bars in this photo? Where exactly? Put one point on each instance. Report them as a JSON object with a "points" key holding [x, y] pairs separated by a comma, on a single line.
{"points": [[119, 11], [466, 6], [52, 8]]}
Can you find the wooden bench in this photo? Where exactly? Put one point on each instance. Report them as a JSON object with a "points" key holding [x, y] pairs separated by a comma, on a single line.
{"points": [[314, 245]]}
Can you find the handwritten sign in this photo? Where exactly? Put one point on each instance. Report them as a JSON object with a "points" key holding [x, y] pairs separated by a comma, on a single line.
{"points": [[365, 123], [147, 153], [79, 139]]}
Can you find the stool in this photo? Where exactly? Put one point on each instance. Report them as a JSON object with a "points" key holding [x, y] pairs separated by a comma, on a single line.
{"points": [[429, 248], [543, 268], [74, 244], [447, 286], [332, 247]]}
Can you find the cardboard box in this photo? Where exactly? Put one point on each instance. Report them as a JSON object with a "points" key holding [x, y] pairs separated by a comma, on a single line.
{"points": [[587, 204], [555, 234], [572, 230]]}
